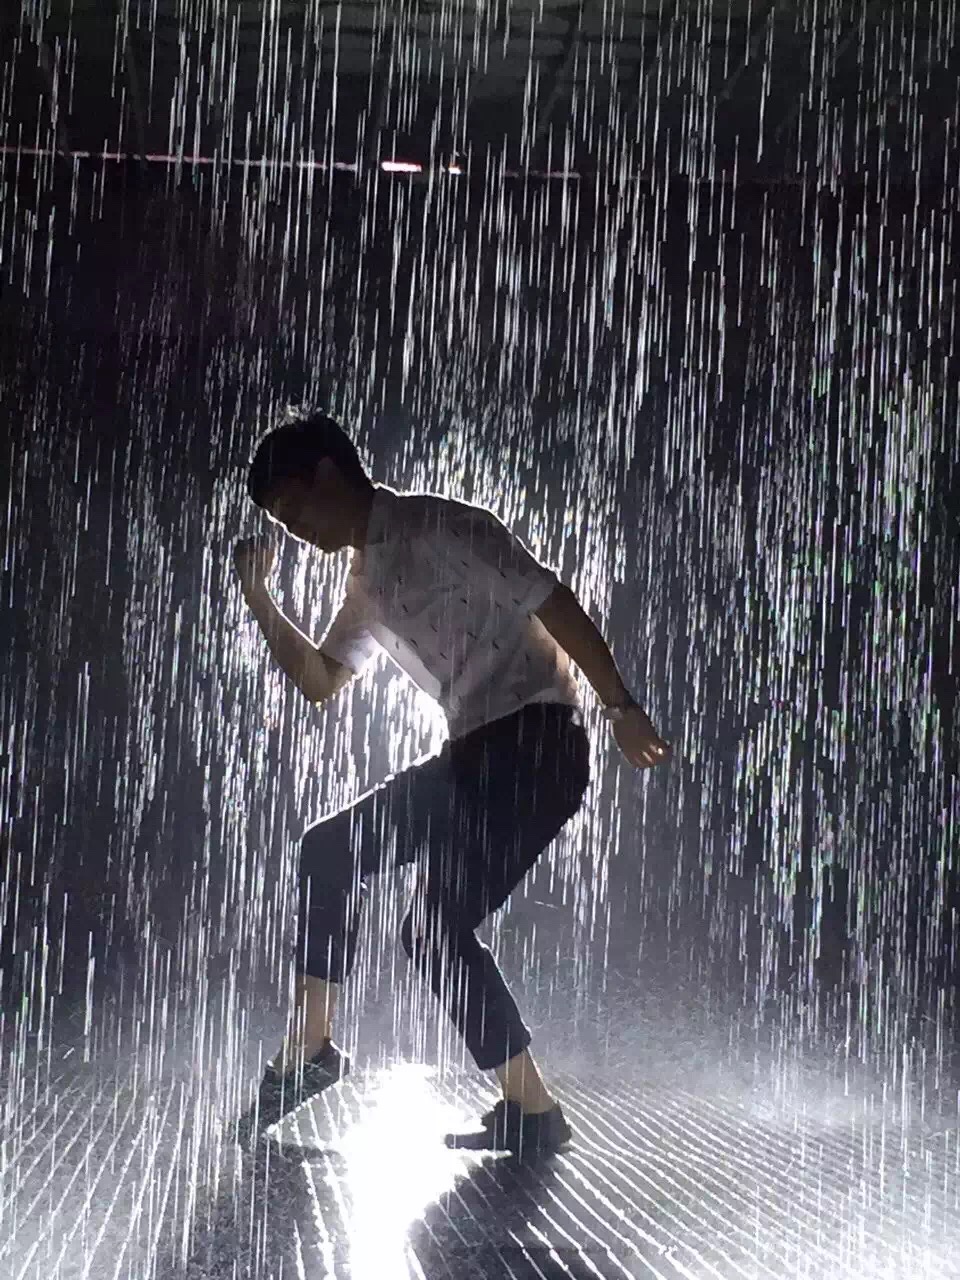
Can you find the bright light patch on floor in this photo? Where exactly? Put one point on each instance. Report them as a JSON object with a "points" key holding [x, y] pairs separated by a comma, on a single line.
{"points": [[396, 1165]]}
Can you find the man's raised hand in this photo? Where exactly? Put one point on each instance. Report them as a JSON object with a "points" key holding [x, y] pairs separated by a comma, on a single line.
{"points": [[253, 559]]}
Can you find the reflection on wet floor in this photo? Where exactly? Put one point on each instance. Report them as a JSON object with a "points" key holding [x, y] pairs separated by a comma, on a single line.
{"points": [[684, 1170]]}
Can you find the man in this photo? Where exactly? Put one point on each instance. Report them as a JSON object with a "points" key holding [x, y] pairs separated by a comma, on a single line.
{"points": [[468, 613]]}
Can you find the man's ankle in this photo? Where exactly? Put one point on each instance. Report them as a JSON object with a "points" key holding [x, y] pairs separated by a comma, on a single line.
{"points": [[534, 1106], [291, 1051]]}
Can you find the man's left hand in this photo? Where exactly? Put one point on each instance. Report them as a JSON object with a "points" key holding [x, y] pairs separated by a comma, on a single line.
{"points": [[639, 741]]}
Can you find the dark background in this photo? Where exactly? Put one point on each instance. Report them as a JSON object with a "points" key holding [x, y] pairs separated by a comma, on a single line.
{"points": [[725, 410]]}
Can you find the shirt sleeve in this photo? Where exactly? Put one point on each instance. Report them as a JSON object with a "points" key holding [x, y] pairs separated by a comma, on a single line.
{"points": [[517, 580], [349, 640]]}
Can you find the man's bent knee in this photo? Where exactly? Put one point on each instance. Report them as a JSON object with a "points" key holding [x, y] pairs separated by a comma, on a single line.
{"points": [[420, 931]]}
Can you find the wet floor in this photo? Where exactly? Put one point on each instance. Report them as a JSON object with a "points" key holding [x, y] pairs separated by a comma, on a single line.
{"points": [[700, 1149]]}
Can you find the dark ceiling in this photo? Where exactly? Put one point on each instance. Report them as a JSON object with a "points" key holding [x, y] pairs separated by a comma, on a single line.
{"points": [[748, 88]]}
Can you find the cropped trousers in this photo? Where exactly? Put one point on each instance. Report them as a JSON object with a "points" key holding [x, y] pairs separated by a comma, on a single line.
{"points": [[474, 819]]}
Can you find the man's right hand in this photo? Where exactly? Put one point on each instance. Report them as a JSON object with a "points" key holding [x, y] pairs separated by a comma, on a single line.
{"points": [[253, 559], [315, 675]]}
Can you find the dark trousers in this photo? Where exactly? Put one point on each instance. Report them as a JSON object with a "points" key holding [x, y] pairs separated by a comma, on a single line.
{"points": [[474, 818]]}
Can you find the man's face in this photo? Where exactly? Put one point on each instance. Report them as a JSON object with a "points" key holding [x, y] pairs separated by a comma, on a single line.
{"points": [[314, 511]]}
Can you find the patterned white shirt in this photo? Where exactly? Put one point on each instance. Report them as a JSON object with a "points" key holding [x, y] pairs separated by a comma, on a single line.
{"points": [[449, 593]]}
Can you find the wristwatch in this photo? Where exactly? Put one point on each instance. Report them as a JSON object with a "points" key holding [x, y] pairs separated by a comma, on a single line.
{"points": [[619, 709]]}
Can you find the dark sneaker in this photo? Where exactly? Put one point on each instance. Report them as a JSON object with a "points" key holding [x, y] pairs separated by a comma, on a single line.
{"points": [[282, 1092], [508, 1128]]}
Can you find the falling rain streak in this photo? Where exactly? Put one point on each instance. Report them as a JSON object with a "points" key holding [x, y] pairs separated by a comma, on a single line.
{"points": [[671, 289]]}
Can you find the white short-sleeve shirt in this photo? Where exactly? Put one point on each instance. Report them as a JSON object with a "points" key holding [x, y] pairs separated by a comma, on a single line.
{"points": [[450, 594]]}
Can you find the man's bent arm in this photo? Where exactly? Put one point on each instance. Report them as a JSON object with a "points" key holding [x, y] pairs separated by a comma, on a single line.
{"points": [[315, 675], [563, 616]]}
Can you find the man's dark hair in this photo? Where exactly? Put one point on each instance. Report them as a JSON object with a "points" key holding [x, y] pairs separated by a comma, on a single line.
{"points": [[293, 450]]}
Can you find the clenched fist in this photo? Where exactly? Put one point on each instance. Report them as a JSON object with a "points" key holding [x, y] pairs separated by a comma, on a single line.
{"points": [[253, 559]]}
